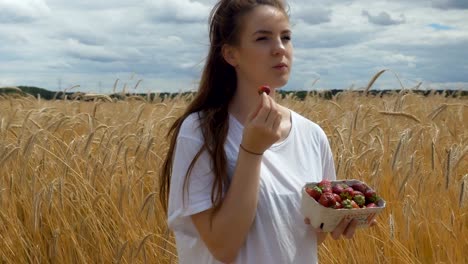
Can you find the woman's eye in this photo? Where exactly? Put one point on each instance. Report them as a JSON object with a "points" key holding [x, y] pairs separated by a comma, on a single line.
{"points": [[287, 37], [261, 38]]}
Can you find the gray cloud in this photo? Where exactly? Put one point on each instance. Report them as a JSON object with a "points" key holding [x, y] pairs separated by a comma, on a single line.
{"points": [[328, 37], [311, 14], [438, 62], [99, 53], [93, 5], [177, 11], [383, 18], [25, 11], [84, 37], [450, 4]]}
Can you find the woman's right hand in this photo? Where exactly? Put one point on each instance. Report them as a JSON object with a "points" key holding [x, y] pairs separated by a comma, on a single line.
{"points": [[262, 128]]}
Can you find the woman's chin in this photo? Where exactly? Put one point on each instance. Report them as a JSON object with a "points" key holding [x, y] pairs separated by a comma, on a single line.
{"points": [[274, 82], [279, 83]]}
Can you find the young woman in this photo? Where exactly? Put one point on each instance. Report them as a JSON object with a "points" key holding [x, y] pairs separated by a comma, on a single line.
{"points": [[232, 178]]}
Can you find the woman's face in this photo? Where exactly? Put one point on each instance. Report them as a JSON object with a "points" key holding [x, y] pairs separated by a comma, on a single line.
{"points": [[264, 53]]}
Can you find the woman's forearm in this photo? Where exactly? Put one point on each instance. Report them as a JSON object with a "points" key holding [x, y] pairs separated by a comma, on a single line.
{"points": [[232, 222], [321, 236]]}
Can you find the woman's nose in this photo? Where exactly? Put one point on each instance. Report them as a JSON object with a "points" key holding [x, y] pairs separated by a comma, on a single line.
{"points": [[279, 47]]}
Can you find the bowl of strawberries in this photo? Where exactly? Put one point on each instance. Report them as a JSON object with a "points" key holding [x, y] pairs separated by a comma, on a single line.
{"points": [[326, 203]]}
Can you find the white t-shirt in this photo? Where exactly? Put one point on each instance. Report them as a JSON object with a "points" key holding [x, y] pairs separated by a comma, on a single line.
{"points": [[278, 233]]}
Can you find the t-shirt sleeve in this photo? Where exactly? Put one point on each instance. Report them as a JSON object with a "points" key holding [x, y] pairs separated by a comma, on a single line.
{"points": [[183, 203], [328, 167]]}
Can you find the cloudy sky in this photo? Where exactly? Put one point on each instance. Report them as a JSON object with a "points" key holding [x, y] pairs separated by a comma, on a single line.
{"points": [[339, 44]]}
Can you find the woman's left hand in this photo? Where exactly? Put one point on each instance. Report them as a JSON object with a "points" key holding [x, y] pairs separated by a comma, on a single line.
{"points": [[346, 228]]}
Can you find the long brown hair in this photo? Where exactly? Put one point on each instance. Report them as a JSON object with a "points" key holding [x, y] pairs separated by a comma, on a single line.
{"points": [[216, 89]]}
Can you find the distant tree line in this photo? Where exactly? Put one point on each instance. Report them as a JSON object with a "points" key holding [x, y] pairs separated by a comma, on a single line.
{"points": [[327, 94]]}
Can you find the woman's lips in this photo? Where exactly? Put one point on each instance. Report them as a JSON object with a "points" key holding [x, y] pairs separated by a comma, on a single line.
{"points": [[281, 67]]}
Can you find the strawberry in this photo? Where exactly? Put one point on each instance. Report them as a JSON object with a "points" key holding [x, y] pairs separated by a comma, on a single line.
{"points": [[371, 196], [358, 193], [337, 197], [314, 192], [327, 199], [359, 199], [348, 193], [359, 187], [327, 189], [354, 204], [264, 89], [324, 183], [338, 188]]}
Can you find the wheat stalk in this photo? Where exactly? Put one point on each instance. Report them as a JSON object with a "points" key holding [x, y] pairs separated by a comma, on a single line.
{"points": [[433, 155], [120, 252], [147, 199], [437, 111], [142, 243], [460, 155], [140, 110], [408, 175], [462, 191], [7, 156], [391, 224], [88, 144], [448, 168], [397, 151], [115, 86], [410, 116], [372, 81]]}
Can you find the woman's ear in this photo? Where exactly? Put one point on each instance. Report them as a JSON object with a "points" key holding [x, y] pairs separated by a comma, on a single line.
{"points": [[229, 55]]}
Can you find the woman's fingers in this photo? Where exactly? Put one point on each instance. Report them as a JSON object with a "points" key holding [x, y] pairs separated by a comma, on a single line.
{"points": [[255, 113], [277, 122], [273, 116], [340, 228], [347, 228], [264, 109], [350, 229], [262, 128]]}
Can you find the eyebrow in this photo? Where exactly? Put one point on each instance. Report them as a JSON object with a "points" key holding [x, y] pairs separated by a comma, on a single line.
{"points": [[267, 32]]}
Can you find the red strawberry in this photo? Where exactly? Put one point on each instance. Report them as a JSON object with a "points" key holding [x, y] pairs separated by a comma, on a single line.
{"points": [[327, 199], [338, 198], [359, 187], [338, 188], [327, 189], [358, 193], [348, 193], [314, 192], [264, 89], [371, 196], [324, 183]]}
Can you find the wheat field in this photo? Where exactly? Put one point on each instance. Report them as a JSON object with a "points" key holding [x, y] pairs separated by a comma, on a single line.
{"points": [[78, 179]]}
